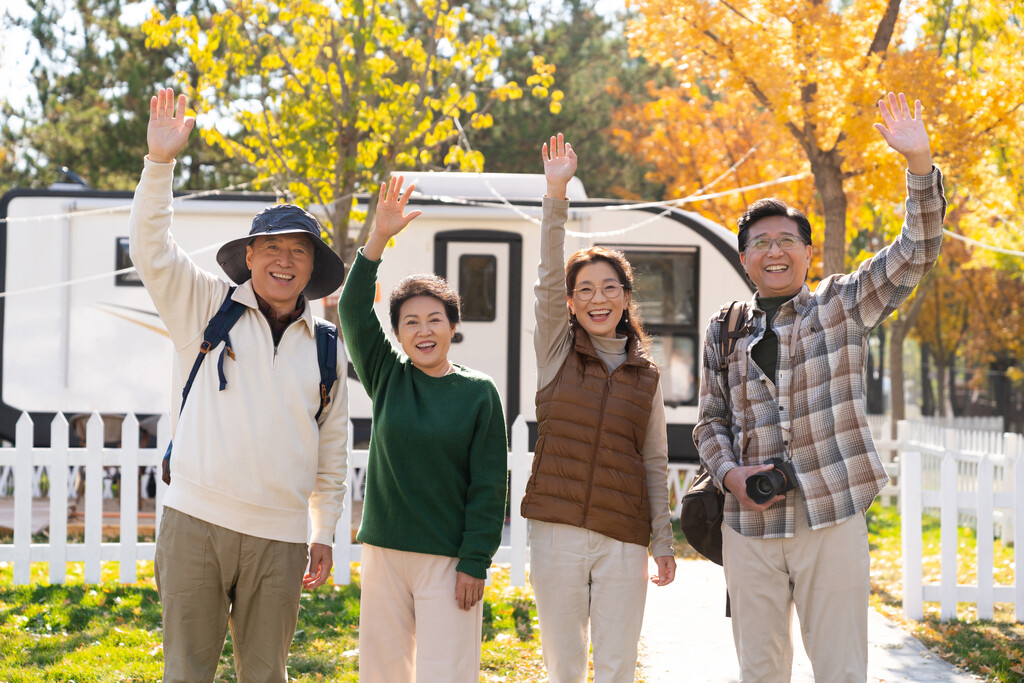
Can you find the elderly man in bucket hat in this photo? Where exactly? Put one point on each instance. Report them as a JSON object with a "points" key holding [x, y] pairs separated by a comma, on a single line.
{"points": [[259, 467]]}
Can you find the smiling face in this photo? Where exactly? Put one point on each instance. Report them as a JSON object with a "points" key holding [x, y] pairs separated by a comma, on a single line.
{"points": [[425, 334], [776, 272], [600, 315], [281, 266]]}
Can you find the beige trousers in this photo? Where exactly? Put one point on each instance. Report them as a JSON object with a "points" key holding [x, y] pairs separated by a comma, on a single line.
{"points": [[410, 627], [582, 578], [209, 578], [825, 574]]}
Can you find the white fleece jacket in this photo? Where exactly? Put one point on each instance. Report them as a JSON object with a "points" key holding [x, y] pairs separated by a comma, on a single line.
{"points": [[250, 458]]}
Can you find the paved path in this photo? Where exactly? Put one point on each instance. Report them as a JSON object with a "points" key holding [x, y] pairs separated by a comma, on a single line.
{"points": [[686, 637]]}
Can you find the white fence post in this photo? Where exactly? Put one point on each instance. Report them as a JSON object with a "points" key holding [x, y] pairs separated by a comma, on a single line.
{"points": [[984, 536], [343, 532], [58, 499], [520, 465], [129, 518], [948, 519], [912, 542], [93, 498], [25, 441]]}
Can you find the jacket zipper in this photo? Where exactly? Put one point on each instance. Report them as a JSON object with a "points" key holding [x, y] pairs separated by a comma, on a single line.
{"points": [[597, 445]]}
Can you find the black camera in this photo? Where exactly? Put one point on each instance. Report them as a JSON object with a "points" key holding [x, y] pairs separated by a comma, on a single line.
{"points": [[764, 486]]}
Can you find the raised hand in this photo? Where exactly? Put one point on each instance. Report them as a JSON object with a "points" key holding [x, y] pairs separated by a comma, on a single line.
{"points": [[168, 132], [559, 165], [391, 216], [905, 132]]}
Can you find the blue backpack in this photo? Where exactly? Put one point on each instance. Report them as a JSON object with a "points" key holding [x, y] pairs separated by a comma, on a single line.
{"points": [[217, 331]]}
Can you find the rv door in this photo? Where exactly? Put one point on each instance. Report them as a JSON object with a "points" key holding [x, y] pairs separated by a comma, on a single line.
{"points": [[485, 267]]}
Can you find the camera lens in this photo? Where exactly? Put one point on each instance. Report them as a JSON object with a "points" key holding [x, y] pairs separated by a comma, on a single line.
{"points": [[764, 486]]}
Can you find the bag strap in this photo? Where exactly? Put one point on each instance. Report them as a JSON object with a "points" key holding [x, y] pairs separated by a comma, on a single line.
{"points": [[732, 319], [216, 331], [327, 359]]}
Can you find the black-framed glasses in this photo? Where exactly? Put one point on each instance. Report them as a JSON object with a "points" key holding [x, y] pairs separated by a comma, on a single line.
{"points": [[785, 243], [612, 290]]}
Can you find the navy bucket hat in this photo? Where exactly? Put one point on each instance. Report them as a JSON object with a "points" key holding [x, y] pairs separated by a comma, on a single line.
{"points": [[284, 219]]}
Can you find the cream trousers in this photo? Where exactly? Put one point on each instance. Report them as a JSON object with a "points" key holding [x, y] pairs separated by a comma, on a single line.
{"points": [[410, 627], [582, 578], [825, 574]]}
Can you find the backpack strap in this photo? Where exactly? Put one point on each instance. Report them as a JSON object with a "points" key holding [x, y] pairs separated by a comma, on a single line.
{"points": [[327, 359], [216, 331], [732, 319]]}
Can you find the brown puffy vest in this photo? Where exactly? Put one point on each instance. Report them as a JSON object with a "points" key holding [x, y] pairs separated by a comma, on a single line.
{"points": [[588, 470]]}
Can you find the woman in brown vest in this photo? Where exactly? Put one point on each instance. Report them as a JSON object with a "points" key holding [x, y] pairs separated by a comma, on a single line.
{"points": [[598, 494]]}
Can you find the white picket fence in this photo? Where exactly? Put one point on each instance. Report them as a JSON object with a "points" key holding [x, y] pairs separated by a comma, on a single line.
{"points": [[23, 466], [970, 478]]}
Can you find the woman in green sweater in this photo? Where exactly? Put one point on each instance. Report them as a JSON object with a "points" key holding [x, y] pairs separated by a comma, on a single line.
{"points": [[434, 505]]}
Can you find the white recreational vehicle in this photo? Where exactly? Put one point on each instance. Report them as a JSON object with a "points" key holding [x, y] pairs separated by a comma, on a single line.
{"points": [[80, 333]]}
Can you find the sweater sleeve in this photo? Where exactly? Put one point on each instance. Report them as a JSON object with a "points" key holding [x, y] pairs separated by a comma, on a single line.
{"points": [[488, 488], [551, 336], [181, 291], [655, 455], [328, 498], [370, 351]]}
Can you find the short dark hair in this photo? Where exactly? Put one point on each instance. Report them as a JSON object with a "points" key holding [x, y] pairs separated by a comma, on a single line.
{"points": [[425, 284], [772, 206]]}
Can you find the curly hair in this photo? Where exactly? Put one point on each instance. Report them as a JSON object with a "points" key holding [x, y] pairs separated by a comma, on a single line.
{"points": [[425, 284]]}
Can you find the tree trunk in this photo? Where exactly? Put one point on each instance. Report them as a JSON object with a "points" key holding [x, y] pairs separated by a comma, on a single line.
{"points": [[875, 374], [898, 333], [826, 165], [927, 395], [941, 375], [958, 407]]}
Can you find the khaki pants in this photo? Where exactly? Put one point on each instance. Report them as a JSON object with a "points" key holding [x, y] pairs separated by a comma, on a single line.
{"points": [[582, 578], [410, 627], [825, 574], [209, 578]]}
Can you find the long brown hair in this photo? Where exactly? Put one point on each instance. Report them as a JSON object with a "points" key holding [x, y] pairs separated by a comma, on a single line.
{"points": [[632, 324]]}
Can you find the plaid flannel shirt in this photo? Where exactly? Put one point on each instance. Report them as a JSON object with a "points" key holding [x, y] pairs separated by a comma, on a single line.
{"points": [[820, 407]]}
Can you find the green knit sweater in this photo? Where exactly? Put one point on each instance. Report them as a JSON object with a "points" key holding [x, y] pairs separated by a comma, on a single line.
{"points": [[438, 469]]}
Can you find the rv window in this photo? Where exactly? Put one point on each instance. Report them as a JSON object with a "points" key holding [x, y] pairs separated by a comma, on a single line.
{"points": [[676, 355], [665, 286], [478, 287], [121, 261]]}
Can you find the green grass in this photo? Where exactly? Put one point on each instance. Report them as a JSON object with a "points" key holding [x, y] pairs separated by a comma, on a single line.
{"points": [[111, 633]]}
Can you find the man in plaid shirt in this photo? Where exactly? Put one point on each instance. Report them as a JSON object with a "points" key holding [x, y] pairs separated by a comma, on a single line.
{"points": [[795, 391]]}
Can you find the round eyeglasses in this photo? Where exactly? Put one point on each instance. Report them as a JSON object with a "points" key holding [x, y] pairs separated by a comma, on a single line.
{"points": [[612, 290], [785, 243]]}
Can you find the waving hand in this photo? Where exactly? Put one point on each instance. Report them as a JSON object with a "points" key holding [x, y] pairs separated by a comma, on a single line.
{"points": [[391, 217], [904, 132], [168, 132]]}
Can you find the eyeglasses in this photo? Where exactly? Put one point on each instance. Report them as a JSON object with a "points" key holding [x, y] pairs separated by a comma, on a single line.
{"points": [[610, 291], [785, 243]]}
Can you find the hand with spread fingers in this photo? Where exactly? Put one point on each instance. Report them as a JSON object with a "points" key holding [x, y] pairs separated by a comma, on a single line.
{"points": [[168, 131], [391, 217], [559, 165], [904, 132]]}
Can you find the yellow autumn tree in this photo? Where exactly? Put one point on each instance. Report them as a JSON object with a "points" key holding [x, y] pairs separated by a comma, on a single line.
{"points": [[331, 96], [801, 82], [803, 79]]}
